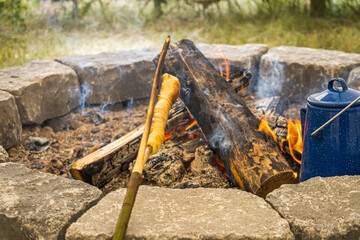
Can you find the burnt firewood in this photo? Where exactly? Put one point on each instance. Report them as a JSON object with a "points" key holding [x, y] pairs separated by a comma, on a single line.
{"points": [[251, 160], [105, 164]]}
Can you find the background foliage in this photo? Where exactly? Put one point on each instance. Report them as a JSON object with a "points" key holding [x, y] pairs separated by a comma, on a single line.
{"points": [[38, 29]]}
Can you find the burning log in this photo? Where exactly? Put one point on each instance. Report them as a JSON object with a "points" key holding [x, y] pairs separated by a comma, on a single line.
{"points": [[103, 165], [252, 162]]}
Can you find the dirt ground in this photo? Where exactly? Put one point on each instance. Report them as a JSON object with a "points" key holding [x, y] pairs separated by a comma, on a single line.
{"points": [[75, 135], [56, 145]]}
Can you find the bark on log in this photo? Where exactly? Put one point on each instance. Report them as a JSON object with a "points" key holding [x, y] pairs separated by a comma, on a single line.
{"points": [[252, 162], [101, 166]]}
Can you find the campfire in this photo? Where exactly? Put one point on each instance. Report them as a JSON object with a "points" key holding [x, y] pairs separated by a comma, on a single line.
{"points": [[213, 114]]}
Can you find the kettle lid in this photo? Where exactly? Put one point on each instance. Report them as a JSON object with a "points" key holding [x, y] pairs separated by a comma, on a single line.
{"points": [[333, 97]]}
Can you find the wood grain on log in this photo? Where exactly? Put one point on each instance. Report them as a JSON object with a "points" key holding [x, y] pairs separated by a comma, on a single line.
{"points": [[252, 161], [99, 167]]}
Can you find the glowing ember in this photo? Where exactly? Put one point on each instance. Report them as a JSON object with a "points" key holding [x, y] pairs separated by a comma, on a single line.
{"points": [[184, 128], [169, 135], [264, 127], [294, 138], [220, 164]]}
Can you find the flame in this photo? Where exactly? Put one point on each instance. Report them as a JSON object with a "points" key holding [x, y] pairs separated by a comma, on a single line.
{"points": [[184, 128], [227, 68], [282, 145], [294, 138], [218, 161], [264, 127], [220, 165], [188, 127], [169, 135]]}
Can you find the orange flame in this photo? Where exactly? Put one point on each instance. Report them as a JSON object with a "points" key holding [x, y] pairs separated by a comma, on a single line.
{"points": [[227, 68], [169, 135], [264, 127], [188, 127], [294, 138]]}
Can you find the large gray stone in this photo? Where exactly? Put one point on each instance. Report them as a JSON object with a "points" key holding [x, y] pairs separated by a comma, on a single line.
{"points": [[4, 156], [42, 90], [114, 76], [36, 205], [247, 56], [294, 72], [354, 79], [163, 213], [321, 208], [10, 124]]}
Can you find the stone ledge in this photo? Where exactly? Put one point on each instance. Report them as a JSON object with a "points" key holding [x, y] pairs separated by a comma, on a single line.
{"points": [[36, 205], [42, 90], [10, 124], [246, 56], [163, 213], [321, 208], [295, 72], [354, 79], [114, 76], [4, 156]]}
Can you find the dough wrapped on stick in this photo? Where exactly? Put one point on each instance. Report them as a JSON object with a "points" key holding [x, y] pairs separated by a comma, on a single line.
{"points": [[170, 91]]}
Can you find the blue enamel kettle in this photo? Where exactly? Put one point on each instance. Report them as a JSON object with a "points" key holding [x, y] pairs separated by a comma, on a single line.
{"points": [[335, 149]]}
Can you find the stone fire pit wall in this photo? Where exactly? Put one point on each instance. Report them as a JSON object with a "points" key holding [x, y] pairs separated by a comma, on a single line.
{"points": [[34, 205]]}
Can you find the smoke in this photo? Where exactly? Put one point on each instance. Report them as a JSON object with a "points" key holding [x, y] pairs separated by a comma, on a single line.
{"points": [[86, 90], [270, 83], [129, 105], [103, 107], [219, 140]]}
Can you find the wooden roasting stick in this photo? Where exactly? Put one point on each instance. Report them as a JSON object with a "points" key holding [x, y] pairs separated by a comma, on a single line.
{"points": [[151, 139], [170, 91]]}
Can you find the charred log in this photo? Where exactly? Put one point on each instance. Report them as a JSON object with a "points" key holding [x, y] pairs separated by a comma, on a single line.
{"points": [[251, 160]]}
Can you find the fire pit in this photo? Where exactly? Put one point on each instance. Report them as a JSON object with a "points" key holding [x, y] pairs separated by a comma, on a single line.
{"points": [[219, 135]]}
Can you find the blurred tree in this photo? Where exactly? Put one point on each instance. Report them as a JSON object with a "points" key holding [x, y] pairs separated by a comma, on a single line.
{"points": [[11, 12], [317, 7], [82, 7]]}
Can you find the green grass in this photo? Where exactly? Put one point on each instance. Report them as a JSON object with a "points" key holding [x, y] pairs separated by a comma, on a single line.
{"points": [[48, 36]]}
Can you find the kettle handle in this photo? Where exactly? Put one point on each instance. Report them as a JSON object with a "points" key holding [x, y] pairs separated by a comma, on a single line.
{"points": [[340, 80]]}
